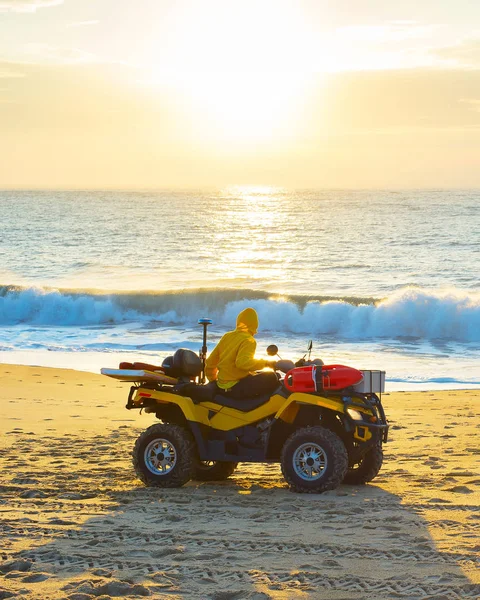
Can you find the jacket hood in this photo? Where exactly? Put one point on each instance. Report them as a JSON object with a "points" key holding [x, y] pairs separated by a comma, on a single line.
{"points": [[248, 319]]}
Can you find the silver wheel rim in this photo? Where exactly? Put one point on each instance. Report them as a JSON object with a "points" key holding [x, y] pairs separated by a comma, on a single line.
{"points": [[309, 461], [160, 456]]}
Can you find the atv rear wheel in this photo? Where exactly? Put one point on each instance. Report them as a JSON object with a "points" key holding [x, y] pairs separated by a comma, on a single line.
{"points": [[314, 460], [368, 468], [213, 470], [163, 456]]}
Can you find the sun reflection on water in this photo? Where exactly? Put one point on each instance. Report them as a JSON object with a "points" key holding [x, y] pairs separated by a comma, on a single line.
{"points": [[250, 227]]}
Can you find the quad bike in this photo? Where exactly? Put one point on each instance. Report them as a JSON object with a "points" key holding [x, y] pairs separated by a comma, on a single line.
{"points": [[324, 424]]}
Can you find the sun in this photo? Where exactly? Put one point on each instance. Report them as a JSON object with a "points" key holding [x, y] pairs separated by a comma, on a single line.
{"points": [[238, 72], [242, 107]]}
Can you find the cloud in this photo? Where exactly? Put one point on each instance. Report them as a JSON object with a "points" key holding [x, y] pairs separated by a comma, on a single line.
{"points": [[83, 23], [427, 102], [391, 45], [10, 71], [26, 6], [393, 31], [465, 54], [50, 54], [402, 45]]}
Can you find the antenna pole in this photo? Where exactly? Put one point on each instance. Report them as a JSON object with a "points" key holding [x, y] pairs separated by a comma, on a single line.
{"points": [[203, 352]]}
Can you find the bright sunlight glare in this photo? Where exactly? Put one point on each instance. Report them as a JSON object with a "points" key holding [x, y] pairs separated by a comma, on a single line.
{"points": [[240, 107], [271, 35], [238, 72], [241, 75]]}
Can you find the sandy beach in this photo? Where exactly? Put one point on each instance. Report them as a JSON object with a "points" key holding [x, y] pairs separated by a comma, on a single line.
{"points": [[77, 524], [302, 174]]}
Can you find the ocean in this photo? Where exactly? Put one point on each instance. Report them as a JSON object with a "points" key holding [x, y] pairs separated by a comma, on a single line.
{"points": [[377, 279]]}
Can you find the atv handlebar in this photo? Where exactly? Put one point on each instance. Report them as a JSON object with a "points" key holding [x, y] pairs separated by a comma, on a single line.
{"points": [[284, 365]]}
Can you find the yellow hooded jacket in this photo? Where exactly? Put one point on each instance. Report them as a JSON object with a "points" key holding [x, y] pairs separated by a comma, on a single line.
{"points": [[233, 358]]}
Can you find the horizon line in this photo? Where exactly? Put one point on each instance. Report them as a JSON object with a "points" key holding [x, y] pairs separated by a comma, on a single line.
{"points": [[239, 185]]}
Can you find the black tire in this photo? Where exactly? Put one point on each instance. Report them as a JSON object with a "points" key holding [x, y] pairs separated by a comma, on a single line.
{"points": [[325, 473], [368, 468], [164, 456], [213, 470]]}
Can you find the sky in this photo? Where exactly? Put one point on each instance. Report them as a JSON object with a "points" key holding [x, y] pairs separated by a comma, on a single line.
{"points": [[208, 93]]}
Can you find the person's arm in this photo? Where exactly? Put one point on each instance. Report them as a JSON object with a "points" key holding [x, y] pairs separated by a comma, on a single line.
{"points": [[246, 356], [211, 370]]}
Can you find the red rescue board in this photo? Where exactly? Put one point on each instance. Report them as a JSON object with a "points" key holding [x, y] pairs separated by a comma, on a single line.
{"points": [[316, 379]]}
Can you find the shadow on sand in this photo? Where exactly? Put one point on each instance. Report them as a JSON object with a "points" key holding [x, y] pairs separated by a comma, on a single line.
{"points": [[70, 534]]}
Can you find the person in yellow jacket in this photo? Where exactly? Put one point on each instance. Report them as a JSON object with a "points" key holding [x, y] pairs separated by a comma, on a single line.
{"points": [[232, 361]]}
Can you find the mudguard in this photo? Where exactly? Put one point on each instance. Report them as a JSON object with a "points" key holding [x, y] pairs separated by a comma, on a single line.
{"points": [[291, 407]]}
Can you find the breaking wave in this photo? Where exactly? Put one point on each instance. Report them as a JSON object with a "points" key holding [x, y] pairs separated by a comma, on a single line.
{"points": [[410, 312]]}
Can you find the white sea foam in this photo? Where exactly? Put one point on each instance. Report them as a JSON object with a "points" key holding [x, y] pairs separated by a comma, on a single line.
{"points": [[51, 307], [409, 313]]}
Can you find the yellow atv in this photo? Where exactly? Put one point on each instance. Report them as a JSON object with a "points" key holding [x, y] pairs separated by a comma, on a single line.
{"points": [[321, 436]]}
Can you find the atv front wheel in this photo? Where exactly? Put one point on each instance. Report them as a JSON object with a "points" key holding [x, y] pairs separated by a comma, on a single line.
{"points": [[213, 470], [368, 468], [163, 456], [314, 460]]}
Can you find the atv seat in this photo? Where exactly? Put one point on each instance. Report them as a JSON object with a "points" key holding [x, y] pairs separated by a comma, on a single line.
{"points": [[245, 404], [209, 393]]}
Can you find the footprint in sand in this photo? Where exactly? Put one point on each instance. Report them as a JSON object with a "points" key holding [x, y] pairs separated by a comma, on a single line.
{"points": [[446, 480], [459, 473], [112, 588], [460, 489], [33, 494], [35, 578], [16, 565]]}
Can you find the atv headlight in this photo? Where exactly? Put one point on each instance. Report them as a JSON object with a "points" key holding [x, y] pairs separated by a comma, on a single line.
{"points": [[355, 414]]}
